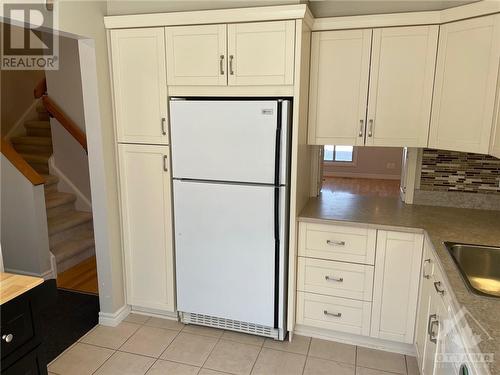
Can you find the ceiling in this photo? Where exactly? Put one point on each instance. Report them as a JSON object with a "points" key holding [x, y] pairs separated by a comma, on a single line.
{"points": [[320, 8]]}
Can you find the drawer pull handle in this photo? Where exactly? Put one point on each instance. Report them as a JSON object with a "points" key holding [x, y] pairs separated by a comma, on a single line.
{"points": [[437, 286], [424, 274], [433, 321], [8, 338], [337, 315], [163, 122], [335, 243], [333, 278]]}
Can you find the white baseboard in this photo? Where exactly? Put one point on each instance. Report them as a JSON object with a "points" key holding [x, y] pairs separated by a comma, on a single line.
{"points": [[18, 128], [53, 265], [82, 202], [113, 319], [47, 275], [362, 175], [363, 341]]}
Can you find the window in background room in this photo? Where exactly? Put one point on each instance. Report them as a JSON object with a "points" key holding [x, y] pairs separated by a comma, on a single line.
{"points": [[338, 154]]}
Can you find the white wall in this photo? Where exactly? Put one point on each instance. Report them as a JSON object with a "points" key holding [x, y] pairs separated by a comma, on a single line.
{"points": [[24, 235], [70, 160], [85, 19], [372, 162]]}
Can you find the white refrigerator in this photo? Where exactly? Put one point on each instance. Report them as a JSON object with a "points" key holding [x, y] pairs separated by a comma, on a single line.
{"points": [[230, 163]]}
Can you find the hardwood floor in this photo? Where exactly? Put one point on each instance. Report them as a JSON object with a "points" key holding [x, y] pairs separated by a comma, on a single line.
{"points": [[81, 278], [360, 186]]}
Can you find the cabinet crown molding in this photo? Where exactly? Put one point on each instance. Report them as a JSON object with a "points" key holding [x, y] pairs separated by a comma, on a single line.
{"points": [[270, 13]]}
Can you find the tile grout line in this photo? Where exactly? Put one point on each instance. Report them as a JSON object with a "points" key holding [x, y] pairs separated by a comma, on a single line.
{"points": [[102, 364], [256, 358], [211, 351]]}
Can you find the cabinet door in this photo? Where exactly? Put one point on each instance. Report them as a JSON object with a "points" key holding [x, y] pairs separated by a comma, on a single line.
{"points": [[196, 55], [429, 354], [139, 85], [340, 62], [261, 53], [145, 189], [466, 81], [395, 295], [401, 82]]}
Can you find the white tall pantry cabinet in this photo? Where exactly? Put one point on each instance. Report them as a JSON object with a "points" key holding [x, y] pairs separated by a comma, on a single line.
{"points": [[140, 102]]}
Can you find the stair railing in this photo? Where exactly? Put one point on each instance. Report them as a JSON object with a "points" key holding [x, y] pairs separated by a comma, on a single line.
{"points": [[20, 164], [55, 111]]}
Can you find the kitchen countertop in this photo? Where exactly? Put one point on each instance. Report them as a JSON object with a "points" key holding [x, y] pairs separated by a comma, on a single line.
{"points": [[12, 285], [441, 224]]}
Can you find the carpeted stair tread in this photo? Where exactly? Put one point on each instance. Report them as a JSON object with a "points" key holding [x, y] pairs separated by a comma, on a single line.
{"points": [[36, 158], [71, 247], [67, 220], [50, 179], [58, 198], [29, 140], [33, 124]]}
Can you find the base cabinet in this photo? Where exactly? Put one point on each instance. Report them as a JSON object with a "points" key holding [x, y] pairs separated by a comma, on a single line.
{"points": [[146, 211]]}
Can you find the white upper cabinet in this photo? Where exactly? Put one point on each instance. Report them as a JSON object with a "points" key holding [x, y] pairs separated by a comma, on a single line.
{"points": [[340, 64], [196, 55], [147, 225], [261, 53], [466, 84], [401, 82], [139, 85], [396, 284], [397, 111]]}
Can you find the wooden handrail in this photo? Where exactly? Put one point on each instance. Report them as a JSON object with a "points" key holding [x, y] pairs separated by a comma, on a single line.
{"points": [[20, 164], [67, 123], [55, 111], [40, 89]]}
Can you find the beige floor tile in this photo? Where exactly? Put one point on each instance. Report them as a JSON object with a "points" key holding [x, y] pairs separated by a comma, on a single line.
{"points": [[126, 364], [110, 337], [190, 349], [136, 318], [203, 331], [333, 351], [150, 341], [411, 365], [380, 360], [371, 371], [172, 368], [232, 357], [206, 371], [277, 362], [81, 359], [317, 366], [299, 344], [243, 338], [165, 323]]}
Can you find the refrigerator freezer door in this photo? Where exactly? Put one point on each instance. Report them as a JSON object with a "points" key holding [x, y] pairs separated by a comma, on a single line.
{"points": [[223, 140], [225, 250]]}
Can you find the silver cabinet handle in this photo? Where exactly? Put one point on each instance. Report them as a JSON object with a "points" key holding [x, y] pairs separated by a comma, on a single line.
{"points": [[437, 286], [163, 122], [337, 315], [370, 132], [165, 163], [8, 338], [433, 321], [423, 271], [337, 243], [221, 64], [333, 278], [361, 128], [231, 71]]}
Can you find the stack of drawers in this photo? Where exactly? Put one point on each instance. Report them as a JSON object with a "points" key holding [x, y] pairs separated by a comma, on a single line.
{"points": [[335, 277]]}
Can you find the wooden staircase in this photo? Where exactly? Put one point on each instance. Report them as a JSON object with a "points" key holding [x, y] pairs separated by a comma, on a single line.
{"points": [[71, 235]]}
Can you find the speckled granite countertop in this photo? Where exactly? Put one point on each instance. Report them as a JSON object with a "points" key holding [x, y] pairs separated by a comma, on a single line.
{"points": [[441, 224]]}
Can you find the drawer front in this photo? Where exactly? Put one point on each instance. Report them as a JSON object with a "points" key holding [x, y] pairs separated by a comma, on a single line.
{"points": [[335, 279], [17, 325], [337, 314], [336, 242]]}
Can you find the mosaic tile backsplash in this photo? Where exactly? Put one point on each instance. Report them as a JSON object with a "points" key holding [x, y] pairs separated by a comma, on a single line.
{"points": [[458, 171]]}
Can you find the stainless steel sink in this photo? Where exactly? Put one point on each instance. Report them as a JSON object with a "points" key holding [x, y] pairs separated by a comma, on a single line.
{"points": [[479, 266]]}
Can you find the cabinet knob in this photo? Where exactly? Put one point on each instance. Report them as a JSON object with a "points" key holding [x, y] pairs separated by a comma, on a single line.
{"points": [[8, 338]]}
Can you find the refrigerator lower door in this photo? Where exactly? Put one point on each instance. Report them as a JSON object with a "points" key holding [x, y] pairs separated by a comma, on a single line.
{"points": [[222, 140], [225, 251]]}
